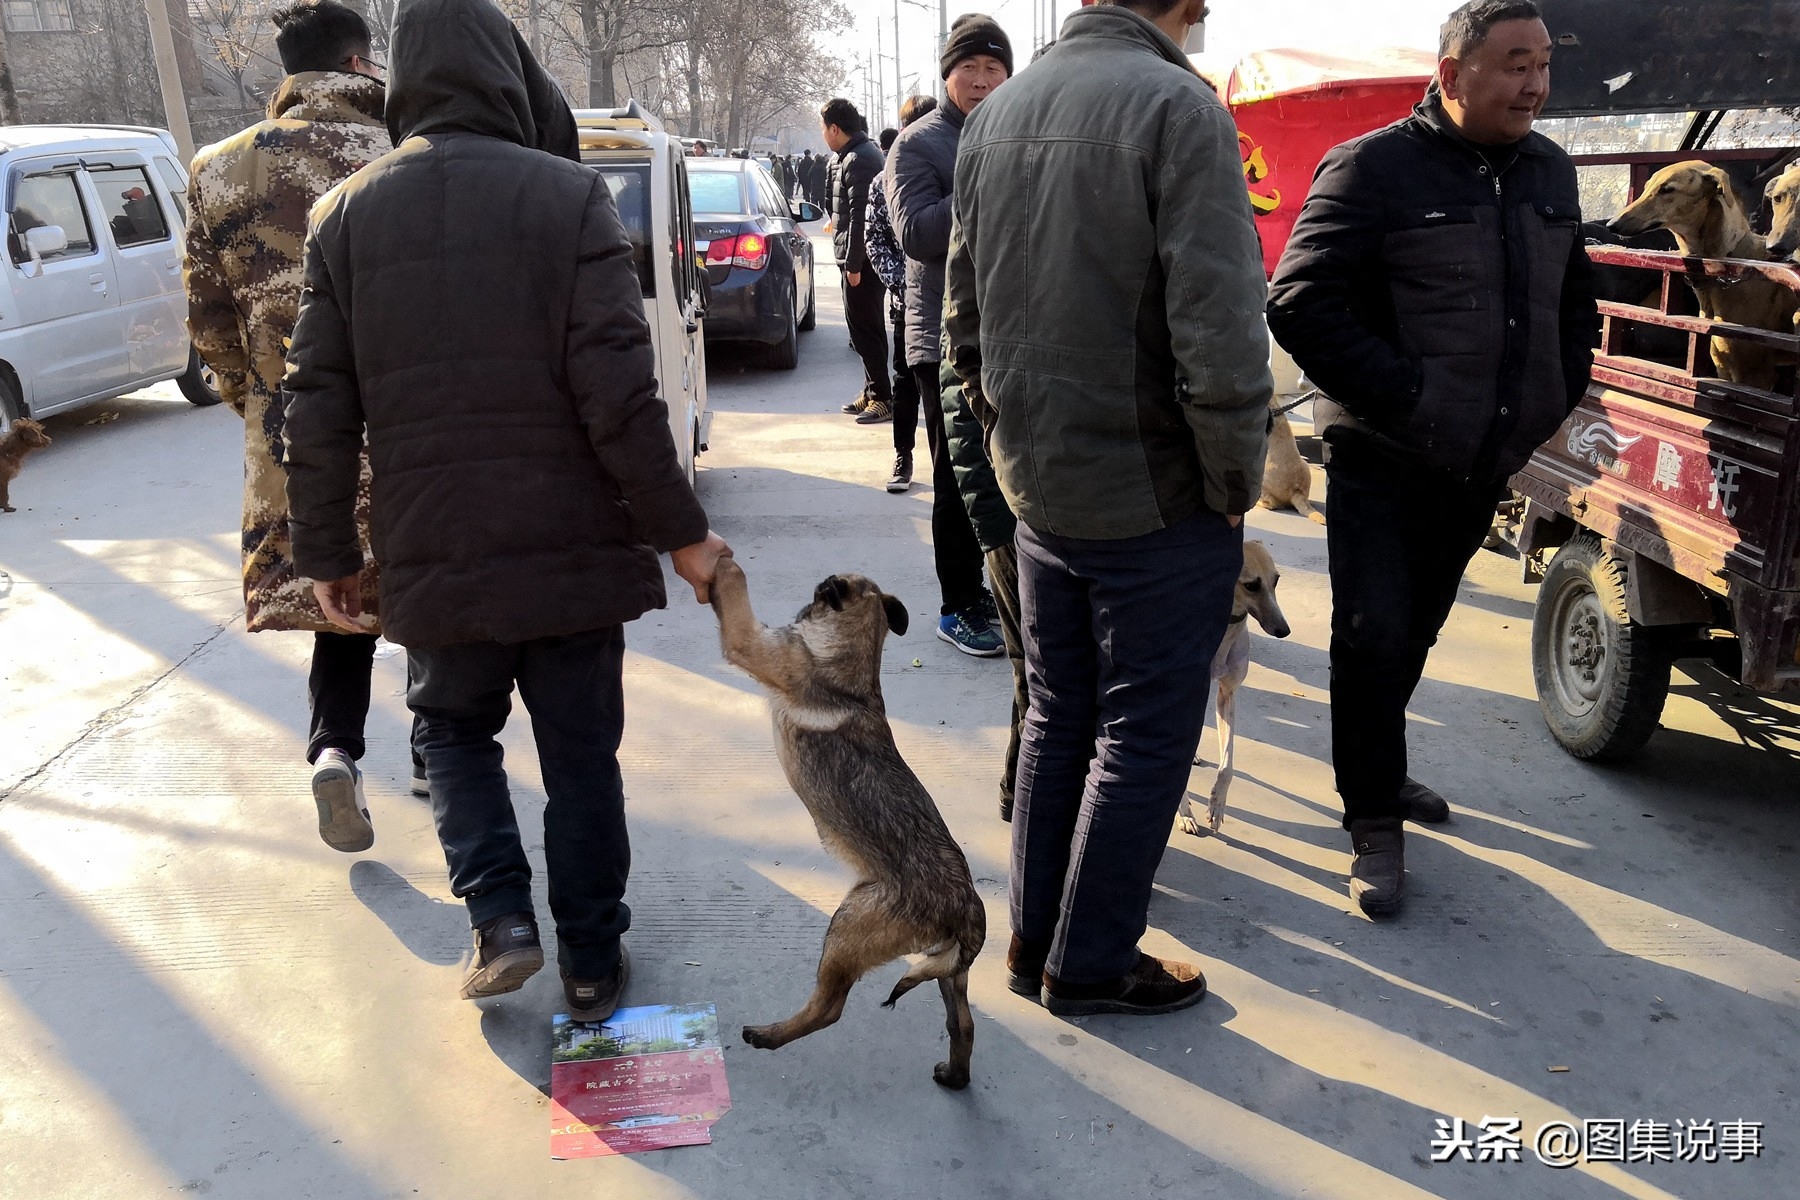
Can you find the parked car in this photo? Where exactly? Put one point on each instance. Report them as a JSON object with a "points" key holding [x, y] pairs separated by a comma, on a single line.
{"points": [[647, 172], [759, 262], [91, 299]]}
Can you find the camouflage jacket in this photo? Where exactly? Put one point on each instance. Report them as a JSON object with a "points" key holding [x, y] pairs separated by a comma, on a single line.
{"points": [[248, 202]]}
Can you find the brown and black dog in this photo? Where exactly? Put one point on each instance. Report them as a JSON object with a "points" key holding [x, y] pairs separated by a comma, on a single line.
{"points": [[25, 437], [913, 893]]}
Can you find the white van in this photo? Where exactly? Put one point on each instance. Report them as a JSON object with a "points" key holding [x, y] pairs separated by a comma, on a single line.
{"points": [[91, 298], [645, 169]]}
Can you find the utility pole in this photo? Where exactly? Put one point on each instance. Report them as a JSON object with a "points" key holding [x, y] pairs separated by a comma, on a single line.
{"points": [[168, 75], [9, 95], [537, 36], [880, 78], [943, 40], [899, 87]]}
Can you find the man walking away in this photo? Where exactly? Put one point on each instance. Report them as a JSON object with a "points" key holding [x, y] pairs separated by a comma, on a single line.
{"points": [[856, 164], [889, 262], [524, 474], [1450, 320], [1129, 381], [248, 197], [921, 185]]}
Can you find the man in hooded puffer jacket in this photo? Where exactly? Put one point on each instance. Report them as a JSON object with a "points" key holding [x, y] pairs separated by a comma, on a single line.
{"points": [[470, 307]]}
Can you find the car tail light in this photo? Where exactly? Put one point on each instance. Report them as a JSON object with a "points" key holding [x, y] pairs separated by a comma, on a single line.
{"points": [[747, 250]]}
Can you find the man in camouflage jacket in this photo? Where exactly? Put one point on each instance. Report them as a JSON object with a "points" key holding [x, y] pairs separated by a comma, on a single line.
{"points": [[248, 202]]}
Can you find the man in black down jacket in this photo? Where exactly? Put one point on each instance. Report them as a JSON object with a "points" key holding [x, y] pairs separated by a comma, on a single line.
{"points": [[470, 303], [1436, 288], [856, 161]]}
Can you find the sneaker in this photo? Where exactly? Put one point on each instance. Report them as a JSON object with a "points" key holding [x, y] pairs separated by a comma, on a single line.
{"points": [[876, 412], [507, 953], [597, 999], [856, 405], [421, 786], [337, 788], [1378, 873], [1419, 803], [970, 632], [990, 608], [1154, 985], [901, 480]]}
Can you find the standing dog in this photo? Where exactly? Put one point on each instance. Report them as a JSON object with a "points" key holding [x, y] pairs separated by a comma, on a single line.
{"points": [[1287, 480], [913, 893], [25, 437], [1784, 204], [1697, 204], [1255, 597]]}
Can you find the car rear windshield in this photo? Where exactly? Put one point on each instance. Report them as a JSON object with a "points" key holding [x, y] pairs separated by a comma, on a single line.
{"points": [[716, 192], [629, 183]]}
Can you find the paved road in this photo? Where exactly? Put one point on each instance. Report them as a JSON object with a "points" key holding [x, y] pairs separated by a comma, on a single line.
{"points": [[197, 997]]}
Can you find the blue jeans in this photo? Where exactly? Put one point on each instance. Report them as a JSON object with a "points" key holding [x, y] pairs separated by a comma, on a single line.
{"points": [[573, 687], [1119, 640]]}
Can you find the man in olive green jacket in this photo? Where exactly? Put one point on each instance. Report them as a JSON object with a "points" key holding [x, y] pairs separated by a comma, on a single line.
{"points": [[1105, 300]]}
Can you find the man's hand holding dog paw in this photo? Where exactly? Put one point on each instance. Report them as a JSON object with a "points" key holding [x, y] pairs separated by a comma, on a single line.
{"points": [[699, 562]]}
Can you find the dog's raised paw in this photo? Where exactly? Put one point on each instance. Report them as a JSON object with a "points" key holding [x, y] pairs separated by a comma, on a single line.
{"points": [[758, 1036], [955, 1080]]}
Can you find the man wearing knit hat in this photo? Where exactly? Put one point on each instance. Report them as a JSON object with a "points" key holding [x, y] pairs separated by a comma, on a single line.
{"points": [[921, 182]]}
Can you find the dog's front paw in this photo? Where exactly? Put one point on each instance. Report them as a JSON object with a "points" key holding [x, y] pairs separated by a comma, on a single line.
{"points": [[949, 1077], [1189, 825], [1215, 812], [760, 1036]]}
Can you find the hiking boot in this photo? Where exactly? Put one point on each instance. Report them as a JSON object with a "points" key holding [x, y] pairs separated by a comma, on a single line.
{"points": [[1378, 875], [856, 405], [1155, 985], [875, 413], [1423, 805], [597, 999], [337, 788], [970, 632], [1025, 967], [507, 953], [901, 480]]}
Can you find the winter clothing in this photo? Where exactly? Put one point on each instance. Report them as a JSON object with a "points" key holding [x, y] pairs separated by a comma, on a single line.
{"points": [[966, 447], [975, 34], [879, 241], [524, 474], [921, 182], [851, 172], [248, 197], [954, 549], [1451, 319], [1118, 332]]}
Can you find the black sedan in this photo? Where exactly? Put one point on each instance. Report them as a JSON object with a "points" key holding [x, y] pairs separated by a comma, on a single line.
{"points": [[759, 262]]}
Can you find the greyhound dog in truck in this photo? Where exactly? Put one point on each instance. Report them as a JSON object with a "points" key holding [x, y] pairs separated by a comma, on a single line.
{"points": [[1784, 199], [1696, 203]]}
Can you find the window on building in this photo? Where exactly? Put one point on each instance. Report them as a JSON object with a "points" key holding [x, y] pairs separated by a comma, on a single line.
{"points": [[34, 16]]}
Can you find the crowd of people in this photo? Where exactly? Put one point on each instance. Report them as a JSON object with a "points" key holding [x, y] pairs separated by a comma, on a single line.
{"points": [[1058, 273]]}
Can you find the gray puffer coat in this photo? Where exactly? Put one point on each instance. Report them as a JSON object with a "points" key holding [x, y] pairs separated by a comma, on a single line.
{"points": [[921, 186]]}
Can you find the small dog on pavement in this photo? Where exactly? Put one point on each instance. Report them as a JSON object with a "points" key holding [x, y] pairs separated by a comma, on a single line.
{"points": [[1255, 597], [913, 892], [1287, 479], [25, 437]]}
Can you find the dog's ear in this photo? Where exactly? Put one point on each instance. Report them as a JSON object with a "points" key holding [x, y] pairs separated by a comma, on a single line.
{"points": [[896, 614], [832, 591], [1716, 181]]}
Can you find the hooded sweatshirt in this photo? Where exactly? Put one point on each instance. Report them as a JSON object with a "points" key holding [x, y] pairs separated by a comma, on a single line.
{"points": [[471, 306]]}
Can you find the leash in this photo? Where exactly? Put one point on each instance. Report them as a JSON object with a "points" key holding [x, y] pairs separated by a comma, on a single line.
{"points": [[1301, 399]]}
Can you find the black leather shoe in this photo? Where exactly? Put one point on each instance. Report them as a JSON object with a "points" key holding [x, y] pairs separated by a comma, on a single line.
{"points": [[1423, 805], [507, 953], [597, 999], [1155, 985], [1025, 967], [1378, 874]]}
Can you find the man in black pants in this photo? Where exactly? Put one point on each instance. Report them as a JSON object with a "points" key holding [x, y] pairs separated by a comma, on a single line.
{"points": [[1451, 322], [519, 525], [921, 186], [857, 161]]}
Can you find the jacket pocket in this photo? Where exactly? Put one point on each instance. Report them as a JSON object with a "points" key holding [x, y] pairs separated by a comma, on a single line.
{"points": [[1437, 265]]}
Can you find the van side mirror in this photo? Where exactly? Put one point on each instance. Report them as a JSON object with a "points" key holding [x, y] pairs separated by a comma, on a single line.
{"points": [[806, 211], [44, 241]]}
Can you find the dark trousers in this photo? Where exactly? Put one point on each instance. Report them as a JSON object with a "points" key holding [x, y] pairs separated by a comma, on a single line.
{"points": [[1118, 638], [1398, 544], [906, 389], [865, 312], [573, 688], [953, 543], [337, 689], [1003, 572]]}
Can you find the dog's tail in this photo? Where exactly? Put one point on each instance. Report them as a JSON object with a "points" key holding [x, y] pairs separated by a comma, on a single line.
{"points": [[1304, 507], [954, 955]]}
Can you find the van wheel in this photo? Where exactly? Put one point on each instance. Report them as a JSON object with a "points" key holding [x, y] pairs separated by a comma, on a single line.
{"points": [[810, 321], [198, 383], [1601, 679], [12, 405], [785, 354]]}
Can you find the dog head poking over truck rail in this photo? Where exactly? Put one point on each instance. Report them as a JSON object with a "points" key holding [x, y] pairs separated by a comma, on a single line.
{"points": [[1784, 198]]}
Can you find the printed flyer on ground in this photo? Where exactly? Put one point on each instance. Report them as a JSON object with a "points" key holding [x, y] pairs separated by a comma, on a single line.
{"points": [[647, 1079]]}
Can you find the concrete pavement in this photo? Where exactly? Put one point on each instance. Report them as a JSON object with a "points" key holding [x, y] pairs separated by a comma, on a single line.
{"points": [[198, 997]]}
